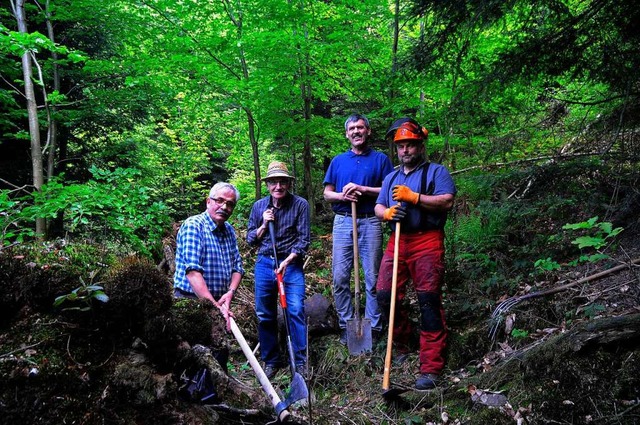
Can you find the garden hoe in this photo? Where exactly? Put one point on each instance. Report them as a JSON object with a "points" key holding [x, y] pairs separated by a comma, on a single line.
{"points": [[387, 392], [279, 405], [298, 388], [358, 330]]}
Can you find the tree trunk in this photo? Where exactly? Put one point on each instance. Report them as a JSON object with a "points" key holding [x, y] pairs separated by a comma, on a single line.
{"points": [[32, 111], [394, 69], [236, 18], [52, 133], [589, 335]]}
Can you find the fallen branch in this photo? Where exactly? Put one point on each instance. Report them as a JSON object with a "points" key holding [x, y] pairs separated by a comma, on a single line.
{"points": [[20, 349], [236, 411], [506, 305]]}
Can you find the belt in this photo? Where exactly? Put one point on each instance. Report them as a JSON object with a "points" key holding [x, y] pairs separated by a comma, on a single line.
{"points": [[357, 215], [183, 293]]}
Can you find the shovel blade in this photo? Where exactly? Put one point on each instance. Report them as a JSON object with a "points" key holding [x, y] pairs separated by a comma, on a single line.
{"points": [[298, 391], [394, 393], [359, 336]]}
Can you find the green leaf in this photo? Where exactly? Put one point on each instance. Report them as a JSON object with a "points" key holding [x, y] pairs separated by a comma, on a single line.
{"points": [[100, 296], [589, 241]]}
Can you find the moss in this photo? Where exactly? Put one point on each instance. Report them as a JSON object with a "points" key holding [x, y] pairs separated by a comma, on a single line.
{"points": [[193, 321], [137, 292]]}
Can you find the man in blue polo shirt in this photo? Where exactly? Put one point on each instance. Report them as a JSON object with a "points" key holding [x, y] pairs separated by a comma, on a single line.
{"points": [[356, 176]]}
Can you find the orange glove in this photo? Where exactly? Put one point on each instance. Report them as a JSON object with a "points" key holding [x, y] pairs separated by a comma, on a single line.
{"points": [[394, 213], [403, 193]]}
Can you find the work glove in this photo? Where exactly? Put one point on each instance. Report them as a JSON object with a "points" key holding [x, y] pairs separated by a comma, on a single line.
{"points": [[403, 193], [394, 213]]}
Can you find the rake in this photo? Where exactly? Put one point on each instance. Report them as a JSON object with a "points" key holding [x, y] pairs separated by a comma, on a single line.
{"points": [[498, 314]]}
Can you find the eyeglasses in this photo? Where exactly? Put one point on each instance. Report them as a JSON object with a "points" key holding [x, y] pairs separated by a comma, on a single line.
{"points": [[281, 182], [221, 202]]}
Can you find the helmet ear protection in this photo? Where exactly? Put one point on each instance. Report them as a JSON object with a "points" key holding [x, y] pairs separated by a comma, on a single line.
{"points": [[397, 123], [410, 131]]}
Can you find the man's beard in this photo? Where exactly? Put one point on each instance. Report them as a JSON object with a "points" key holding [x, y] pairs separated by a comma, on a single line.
{"points": [[411, 160]]}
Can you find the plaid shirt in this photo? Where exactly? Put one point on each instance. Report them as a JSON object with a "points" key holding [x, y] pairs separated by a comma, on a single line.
{"points": [[293, 231], [209, 249]]}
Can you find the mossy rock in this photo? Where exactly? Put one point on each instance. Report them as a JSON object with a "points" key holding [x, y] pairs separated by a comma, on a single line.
{"points": [[137, 293], [193, 321]]}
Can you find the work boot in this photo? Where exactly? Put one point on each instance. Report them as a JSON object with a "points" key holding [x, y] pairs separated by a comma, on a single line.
{"points": [[270, 371], [302, 370], [343, 337], [400, 358], [427, 381], [376, 334]]}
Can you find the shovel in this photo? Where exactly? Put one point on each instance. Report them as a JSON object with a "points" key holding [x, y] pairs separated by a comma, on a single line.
{"points": [[298, 385], [358, 330], [279, 405], [387, 392]]}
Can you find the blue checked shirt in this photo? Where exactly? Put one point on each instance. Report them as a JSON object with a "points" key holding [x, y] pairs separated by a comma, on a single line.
{"points": [[209, 249]]}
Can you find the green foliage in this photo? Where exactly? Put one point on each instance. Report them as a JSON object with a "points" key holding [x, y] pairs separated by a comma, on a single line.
{"points": [[592, 310], [547, 264], [82, 297], [113, 205], [600, 232], [12, 223], [596, 235], [519, 333]]}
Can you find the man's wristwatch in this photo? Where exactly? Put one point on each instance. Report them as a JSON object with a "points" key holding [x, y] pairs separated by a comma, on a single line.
{"points": [[233, 291]]}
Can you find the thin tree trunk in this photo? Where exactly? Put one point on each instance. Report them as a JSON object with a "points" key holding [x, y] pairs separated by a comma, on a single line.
{"points": [[394, 69], [236, 18], [52, 133], [32, 111], [307, 160]]}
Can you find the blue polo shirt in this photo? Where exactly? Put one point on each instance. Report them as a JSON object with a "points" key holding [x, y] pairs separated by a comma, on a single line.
{"points": [[438, 182], [366, 169]]}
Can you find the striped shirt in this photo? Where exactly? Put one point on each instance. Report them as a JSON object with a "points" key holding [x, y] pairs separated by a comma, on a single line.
{"points": [[292, 228], [211, 250]]}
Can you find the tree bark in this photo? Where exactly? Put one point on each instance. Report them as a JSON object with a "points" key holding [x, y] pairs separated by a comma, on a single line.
{"points": [[597, 332], [52, 132], [32, 111]]}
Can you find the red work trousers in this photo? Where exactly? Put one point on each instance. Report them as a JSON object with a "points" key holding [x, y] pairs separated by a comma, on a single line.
{"points": [[421, 259]]}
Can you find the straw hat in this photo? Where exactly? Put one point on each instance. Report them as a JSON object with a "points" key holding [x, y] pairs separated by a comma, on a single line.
{"points": [[277, 169]]}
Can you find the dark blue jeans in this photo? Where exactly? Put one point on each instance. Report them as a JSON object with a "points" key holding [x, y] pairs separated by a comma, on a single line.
{"points": [[266, 293]]}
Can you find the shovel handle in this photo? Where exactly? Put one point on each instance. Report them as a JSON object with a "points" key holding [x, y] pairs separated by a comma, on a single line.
{"points": [[279, 277], [281, 293], [356, 256], [262, 377], [392, 310]]}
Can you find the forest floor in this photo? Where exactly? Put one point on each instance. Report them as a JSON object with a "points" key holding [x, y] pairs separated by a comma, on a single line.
{"points": [[567, 357]]}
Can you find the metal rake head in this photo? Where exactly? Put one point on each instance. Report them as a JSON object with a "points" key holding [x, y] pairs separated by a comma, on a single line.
{"points": [[498, 314]]}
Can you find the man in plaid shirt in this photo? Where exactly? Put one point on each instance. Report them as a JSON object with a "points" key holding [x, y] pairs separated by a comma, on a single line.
{"points": [[208, 263]]}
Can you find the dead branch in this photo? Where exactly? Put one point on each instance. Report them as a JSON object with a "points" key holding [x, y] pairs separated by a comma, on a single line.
{"points": [[506, 305], [526, 161], [229, 409]]}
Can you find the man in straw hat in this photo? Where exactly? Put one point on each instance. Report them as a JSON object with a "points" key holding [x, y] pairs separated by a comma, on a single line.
{"points": [[356, 176], [290, 215], [418, 195]]}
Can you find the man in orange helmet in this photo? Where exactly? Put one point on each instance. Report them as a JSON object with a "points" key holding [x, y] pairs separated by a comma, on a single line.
{"points": [[418, 195]]}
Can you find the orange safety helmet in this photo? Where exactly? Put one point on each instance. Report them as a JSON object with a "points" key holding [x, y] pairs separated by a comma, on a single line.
{"points": [[410, 131]]}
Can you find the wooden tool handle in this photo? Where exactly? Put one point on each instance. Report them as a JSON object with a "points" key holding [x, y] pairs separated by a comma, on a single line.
{"points": [[392, 310], [356, 256], [262, 377]]}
